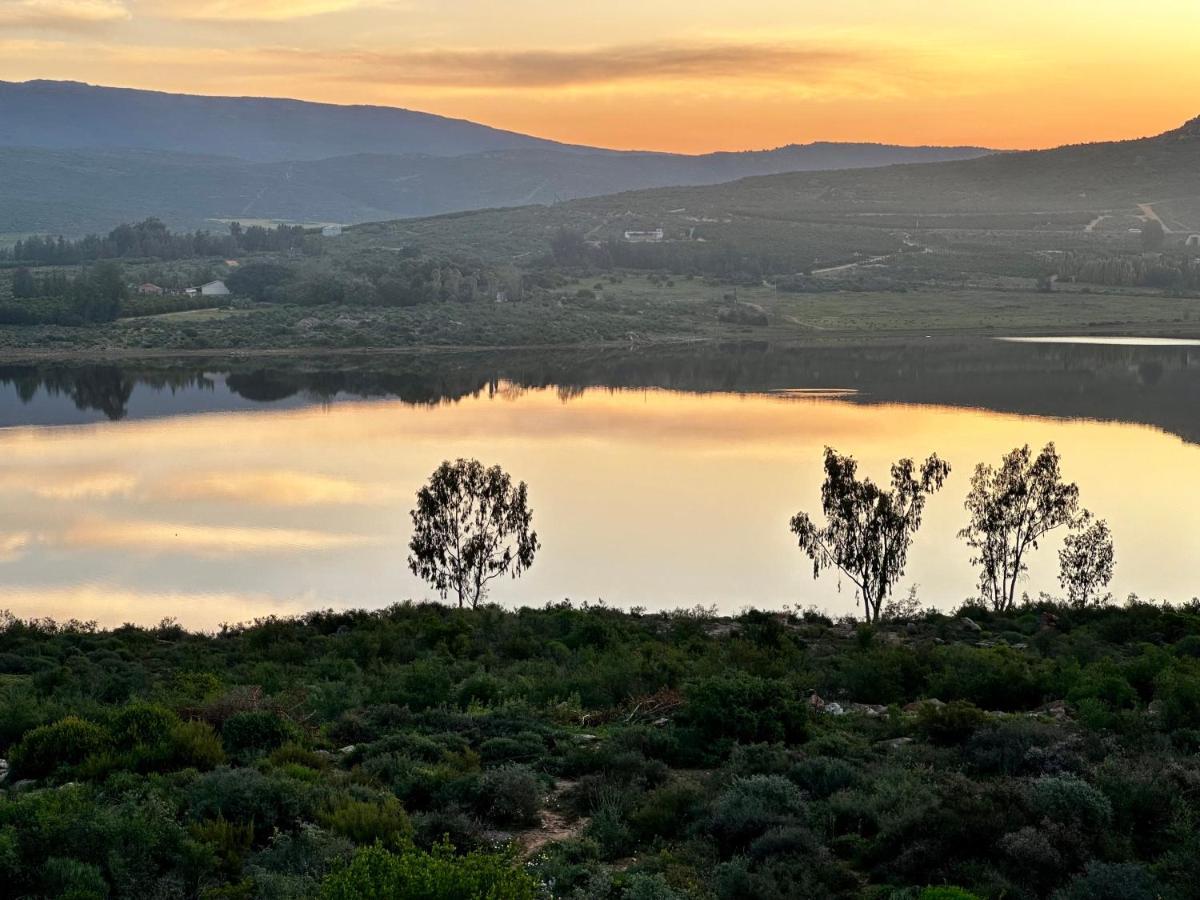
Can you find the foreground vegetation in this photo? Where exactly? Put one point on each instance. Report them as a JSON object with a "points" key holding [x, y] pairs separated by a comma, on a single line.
{"points": [[586, 752]]}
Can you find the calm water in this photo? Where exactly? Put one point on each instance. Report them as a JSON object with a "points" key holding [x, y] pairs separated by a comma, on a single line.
{"points": [[220, 491]]}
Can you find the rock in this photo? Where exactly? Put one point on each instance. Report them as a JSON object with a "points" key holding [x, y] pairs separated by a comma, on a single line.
{"points": [[970, 624], [24, 784], [1020, 646], [659, 723], [896, 743], [834, 709], [586, 738], [349, 748], [3, 769]]}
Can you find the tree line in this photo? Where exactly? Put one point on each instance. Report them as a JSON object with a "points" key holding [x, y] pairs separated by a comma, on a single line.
{"points": [[473, 525], [151, 239]]}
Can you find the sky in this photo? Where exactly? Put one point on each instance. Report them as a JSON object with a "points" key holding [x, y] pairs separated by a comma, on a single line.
{"points": [[667, 75]]}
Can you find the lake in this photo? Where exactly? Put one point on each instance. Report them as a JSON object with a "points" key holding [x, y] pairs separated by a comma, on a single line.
{"points": [[219, 490]]}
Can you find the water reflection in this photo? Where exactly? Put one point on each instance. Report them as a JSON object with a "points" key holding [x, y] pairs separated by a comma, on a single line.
{"points": [[669, 483], [1154, 385]]}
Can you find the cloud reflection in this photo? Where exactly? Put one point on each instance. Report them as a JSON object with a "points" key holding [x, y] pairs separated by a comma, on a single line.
{"points": [[201, 540]]}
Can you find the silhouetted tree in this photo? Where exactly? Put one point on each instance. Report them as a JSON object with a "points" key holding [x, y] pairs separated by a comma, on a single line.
{"points": [[23, 284], [1153, 235], [1086, 562], [1012, 508], [868, 530], [470, 526]]}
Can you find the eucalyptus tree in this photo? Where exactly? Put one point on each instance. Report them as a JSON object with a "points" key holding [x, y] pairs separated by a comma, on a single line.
{"points": [[1086, 562], [868, 530], [471, 525], [1012, 507]]}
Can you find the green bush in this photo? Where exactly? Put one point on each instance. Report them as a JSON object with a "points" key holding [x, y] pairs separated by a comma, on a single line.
{"points": [[745, 708], [951, 723], [142, 724], [511, 794], [666, 811], [247, 795], [256, 732], [370, 821], [70, 879], [1112, 881], [752, 805], [45, 750], [194, 745], [439, 875]]}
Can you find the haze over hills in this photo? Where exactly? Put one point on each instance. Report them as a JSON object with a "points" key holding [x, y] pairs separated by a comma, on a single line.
{"points": [[80, 158]]}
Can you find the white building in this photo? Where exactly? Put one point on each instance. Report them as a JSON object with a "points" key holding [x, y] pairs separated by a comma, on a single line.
{"points": [[644, 237], [214, 289], [331, 231], [1193, 240]]}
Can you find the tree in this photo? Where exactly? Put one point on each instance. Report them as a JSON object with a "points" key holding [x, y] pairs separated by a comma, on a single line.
{"points": [[23, 284], [470, 526], [1012, 508], [868, 530], [1086, 562], [1153, 234]]}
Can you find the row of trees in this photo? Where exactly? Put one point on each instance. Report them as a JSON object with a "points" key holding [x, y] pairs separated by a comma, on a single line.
{"points": [[472, 525], [94, 295], [151, 239], [1166, 270], [1011, 508]]}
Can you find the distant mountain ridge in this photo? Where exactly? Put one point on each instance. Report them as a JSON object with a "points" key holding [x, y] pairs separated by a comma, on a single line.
{"points": [[81, 158]]}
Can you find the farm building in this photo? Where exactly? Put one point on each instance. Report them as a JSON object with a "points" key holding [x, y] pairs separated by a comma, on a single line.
{"points": [[214, 289], [150, 289], [331, 231], [1193, 240], [644, 237]]}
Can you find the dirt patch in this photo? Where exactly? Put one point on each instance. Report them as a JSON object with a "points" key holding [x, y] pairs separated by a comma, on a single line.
{"points": [[556, 824]]}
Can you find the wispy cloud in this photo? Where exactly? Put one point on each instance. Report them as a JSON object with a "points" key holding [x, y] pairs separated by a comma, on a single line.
{"points": [[257, 10], [14, 545], [69, 14], [268, 488], [200, 540], [570, 68]]}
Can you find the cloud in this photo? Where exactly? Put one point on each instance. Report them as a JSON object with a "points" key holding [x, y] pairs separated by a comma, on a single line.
{"points": [[61, 13], [269, 488], [255, 10], [14, 545], [605, 65], [200, 540]]}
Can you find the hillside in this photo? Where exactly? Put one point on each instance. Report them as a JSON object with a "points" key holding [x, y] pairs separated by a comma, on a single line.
{"points": [[1091, 192], [79, 158]]}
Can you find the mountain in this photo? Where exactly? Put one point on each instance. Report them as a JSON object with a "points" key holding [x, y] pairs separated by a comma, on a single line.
{"points": [[67, 115], [81, 158]]}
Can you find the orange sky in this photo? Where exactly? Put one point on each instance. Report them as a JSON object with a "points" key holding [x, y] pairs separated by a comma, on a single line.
{"points": [[671, 75]]}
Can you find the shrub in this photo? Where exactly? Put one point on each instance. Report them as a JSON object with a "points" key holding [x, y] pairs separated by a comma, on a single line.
{"points": [[194, 745], [511, 794], [70, 879], [759, 759], [1178, 692], [745, 708], [45, 750], [255, 731], [667, 810], [1068, 800], [1112, 881], [950, 723], [142, 723], [822, 776], [946, 893], [246, 795], [439, 875], [752, 805], [368, 822]]}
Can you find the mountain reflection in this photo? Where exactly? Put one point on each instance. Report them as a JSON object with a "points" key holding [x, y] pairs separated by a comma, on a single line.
{"points": [[1157, 386]]}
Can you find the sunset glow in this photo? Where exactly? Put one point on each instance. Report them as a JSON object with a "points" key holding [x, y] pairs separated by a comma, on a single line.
{"points": [[698, 77]]}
